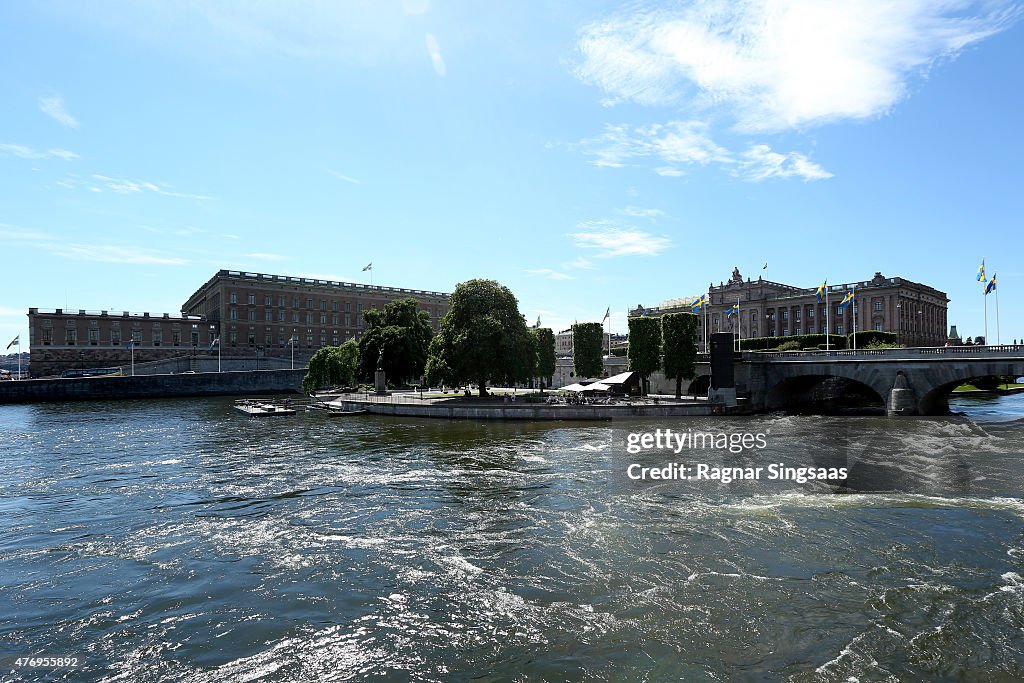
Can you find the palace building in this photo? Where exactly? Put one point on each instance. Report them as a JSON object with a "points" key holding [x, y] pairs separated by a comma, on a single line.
{"points": [[254, 315], [916, 313]]}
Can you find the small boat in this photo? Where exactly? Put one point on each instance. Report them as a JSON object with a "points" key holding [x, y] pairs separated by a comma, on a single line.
{"points": [[257, 408], [338, 412]]}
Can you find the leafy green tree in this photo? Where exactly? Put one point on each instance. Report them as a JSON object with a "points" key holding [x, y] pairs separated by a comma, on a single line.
{"points": [[644, 347], [679, 332], [483, 338], [332, 366], [545, 342], [403, 333], [587, 345]]}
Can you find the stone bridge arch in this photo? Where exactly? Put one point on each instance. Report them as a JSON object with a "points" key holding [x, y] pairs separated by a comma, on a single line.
{"points": [[933, 394], [796, 388]]}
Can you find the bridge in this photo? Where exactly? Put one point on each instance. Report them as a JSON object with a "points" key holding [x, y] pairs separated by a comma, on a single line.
{"points": [[908, 381]]}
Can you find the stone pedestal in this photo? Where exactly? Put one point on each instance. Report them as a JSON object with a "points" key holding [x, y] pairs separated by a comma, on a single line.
{"points": [[379, 384], [902, 399]]}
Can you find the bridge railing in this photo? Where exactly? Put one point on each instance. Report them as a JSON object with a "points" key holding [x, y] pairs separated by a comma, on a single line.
{"points": [[995, 351]]}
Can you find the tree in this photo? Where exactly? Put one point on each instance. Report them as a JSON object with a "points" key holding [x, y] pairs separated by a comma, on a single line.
{"points": [[644, 348], [403, 333], [332, 366], [679, 332], [483, 338], [587, 342], [545, 343]]}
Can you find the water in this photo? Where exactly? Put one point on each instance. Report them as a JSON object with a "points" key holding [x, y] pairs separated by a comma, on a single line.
{"points": [[177, 540]]}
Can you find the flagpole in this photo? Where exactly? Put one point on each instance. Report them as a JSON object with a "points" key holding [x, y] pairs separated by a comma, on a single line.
{"points": [[985, 298], [854, 302], [998, 337], [828, 325]]}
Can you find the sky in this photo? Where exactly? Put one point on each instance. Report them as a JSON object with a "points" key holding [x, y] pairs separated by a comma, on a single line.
{"points": [[588, 155]]}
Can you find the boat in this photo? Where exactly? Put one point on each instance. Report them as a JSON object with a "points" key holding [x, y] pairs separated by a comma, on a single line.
{"points": [[263, 408]]}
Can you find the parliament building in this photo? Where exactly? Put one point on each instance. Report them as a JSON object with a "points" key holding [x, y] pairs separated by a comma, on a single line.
{"points": [[916, 313]]}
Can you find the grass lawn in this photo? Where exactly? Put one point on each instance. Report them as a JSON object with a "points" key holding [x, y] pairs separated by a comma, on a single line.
{"points": [[971, 387]]}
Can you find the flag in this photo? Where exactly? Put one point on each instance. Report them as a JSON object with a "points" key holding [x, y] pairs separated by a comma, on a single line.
{"points": [[981, 271], [215, 344], [846, 300], [16, 340], [369, 266], [734, 310], [607, 314], [991, 287], [820, 292]]}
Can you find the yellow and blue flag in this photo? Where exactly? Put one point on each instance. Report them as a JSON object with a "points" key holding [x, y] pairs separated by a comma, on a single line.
{"points": [[991, 287], [16, 340], [820, 292], [846, 300], [981, 271]]}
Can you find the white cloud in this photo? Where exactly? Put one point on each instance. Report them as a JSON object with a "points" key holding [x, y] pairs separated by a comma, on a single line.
{"points": [[115, 254], [780, 64], [53, 106], [23, 152], [550, 274], [639, 212], [263, 256], [615, 241], [678, 144], [434, 50], [345, 178], [124, 186], [761, 163]]}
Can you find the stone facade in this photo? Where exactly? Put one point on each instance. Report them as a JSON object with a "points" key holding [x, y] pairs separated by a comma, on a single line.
{"points": [[916, 313], [253, 314], [259, 312], [68, 340]]}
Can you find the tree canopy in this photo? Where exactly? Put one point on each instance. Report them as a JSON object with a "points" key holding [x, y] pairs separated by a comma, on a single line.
{"points": [[403, 333], [483, 338], [545, 343], [644, 347], [332, 366], [587, 343], [679, 332]]}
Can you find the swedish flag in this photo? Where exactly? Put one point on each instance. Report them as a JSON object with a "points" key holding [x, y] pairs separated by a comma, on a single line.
{"points": [[846, 300], [981, 271], [991, 287], [820, 292]]}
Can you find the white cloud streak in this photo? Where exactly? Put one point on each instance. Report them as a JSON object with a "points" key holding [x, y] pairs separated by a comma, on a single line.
{"points": [[53, 106], [608, 242], [550, 274], [23, 152], [780, 64], [679, 144]]}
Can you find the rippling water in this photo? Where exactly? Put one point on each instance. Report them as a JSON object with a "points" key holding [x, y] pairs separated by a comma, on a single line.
{"points": [[177, 540]]}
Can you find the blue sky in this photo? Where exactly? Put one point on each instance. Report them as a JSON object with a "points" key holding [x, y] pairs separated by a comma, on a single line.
{"points": [[586, 155]]}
